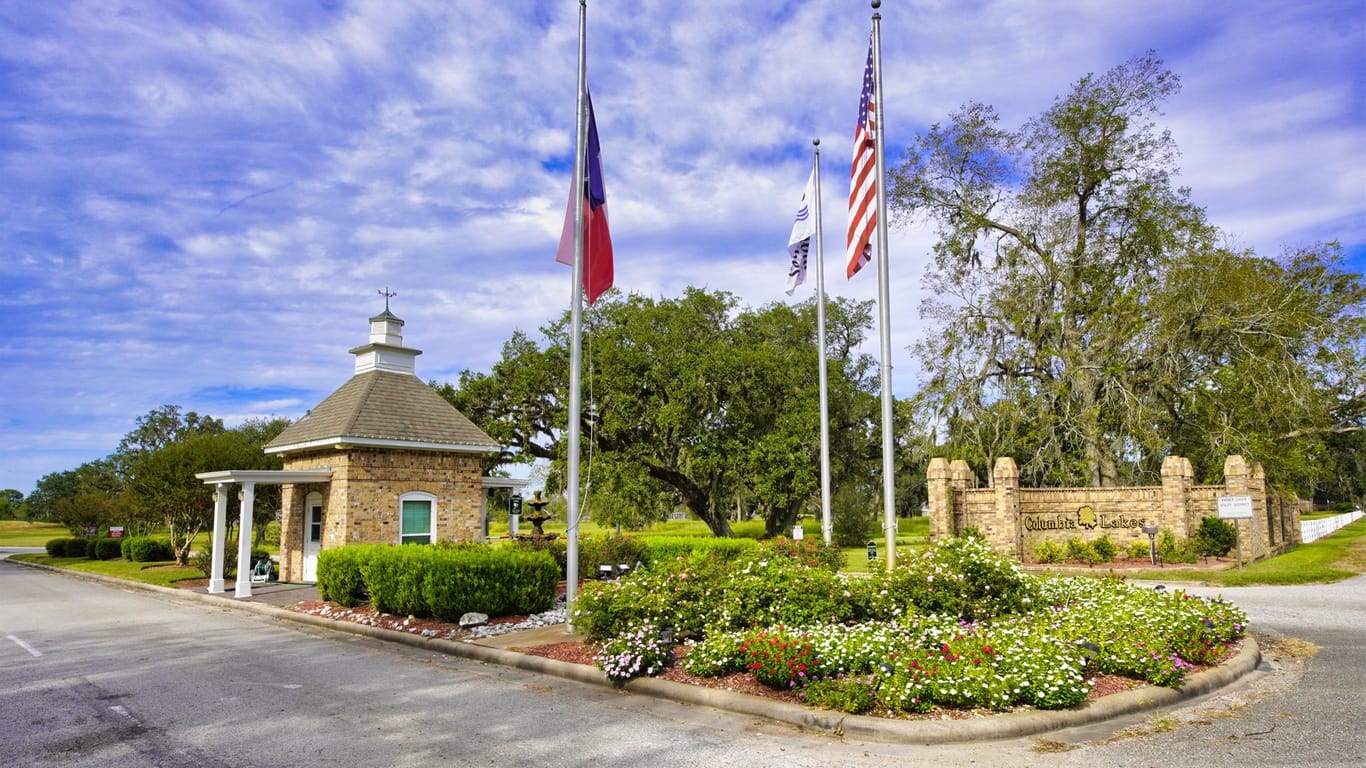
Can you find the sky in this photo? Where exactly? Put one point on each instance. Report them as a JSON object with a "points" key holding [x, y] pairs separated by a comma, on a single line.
{"points": [[200, 202]]}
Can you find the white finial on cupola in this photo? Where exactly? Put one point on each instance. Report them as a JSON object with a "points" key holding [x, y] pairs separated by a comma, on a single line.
{"points": [[386, 352]]}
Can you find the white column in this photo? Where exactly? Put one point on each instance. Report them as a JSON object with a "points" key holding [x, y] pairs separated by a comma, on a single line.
{"points": [[220, 524], [244, 539]]}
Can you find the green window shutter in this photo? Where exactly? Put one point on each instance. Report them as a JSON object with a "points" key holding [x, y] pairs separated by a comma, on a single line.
{"points": [[416, 523]]}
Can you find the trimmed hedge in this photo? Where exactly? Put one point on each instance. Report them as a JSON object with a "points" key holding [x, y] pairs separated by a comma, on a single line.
{"points": [[682, 546], [58, 547], [442, 581], [145, 549], [108, 549]]}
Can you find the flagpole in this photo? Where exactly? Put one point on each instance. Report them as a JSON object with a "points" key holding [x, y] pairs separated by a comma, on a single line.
{"points": [[884, 302], [576, 333], [820, 343]]}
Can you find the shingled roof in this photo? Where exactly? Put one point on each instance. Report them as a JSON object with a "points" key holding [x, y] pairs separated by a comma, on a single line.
{"points": [[384, 404], [383, 408]]}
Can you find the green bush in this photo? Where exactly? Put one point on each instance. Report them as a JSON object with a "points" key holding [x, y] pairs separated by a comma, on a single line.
{"points": [[339, 574], [1214, 537], [496, 582], [1174, 550], [661, 550], [846, 693], [961, 576], [1050, 551], [1140, 550], [203, 561], [394, 577], [612, 549], [1081, 551], [145, 549], [813, 551], [108, 549], [58, 547], [1105, 549]]}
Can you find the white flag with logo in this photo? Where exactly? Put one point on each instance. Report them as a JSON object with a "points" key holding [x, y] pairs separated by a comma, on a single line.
{"points": [[799, 242]]}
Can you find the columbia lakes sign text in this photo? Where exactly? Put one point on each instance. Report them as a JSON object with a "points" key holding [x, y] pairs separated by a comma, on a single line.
{"points": [[1083, 518]]}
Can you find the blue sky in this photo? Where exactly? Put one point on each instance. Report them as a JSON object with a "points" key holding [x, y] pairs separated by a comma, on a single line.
{"points": [[200, 201]]}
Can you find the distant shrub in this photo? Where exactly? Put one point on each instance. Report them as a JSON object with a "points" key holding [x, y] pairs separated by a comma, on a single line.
{"points": [[108, 549], [813, 551], [682, 546], [1174, 550], [203, 561], [1140, 550], [57, 547], [1105, 549], [1215, 537], [145, 549], [1050, 551], [1081, 551]]}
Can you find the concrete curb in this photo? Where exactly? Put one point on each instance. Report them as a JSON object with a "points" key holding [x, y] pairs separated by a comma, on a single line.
{"points": [[987, 728]]}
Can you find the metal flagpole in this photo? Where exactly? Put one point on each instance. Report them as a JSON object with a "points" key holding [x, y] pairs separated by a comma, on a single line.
{"points": [[884, 301], [576, 332], [820, 342]]}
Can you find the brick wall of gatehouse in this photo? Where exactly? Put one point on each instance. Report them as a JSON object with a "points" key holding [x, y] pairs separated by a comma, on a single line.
{"points": [[1015, 520], [361, 503]]}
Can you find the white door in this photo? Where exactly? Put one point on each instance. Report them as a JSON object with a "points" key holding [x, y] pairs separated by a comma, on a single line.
{"points": [[313, 538]]}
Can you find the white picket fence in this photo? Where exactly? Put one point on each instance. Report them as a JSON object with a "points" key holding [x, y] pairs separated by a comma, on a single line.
{"points": [[1317, 529]]}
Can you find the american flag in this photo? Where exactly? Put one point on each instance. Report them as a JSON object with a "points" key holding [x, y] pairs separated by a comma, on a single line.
{"points": [[863, 176]]}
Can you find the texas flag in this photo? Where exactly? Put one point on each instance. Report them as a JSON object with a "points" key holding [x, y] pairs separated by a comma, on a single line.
{"points": [[597, 241]]}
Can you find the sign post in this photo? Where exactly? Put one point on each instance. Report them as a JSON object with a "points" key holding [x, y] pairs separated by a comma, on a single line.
{"points": [[514, 514], [1236, 508]]}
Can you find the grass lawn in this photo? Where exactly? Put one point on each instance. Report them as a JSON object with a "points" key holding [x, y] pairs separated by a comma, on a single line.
{"points": [[19, 533], [162, 574], [1338, 556]]}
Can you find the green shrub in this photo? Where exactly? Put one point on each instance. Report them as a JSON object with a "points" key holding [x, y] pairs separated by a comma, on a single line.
{"points": [[394, 577], [58, 547], [1174, 550], [960, 576], [203, 561], [1081, 551], [558, 549], [497, 582], [108, 549], [339, 574], [1214, 537], [1050, 551], [612, 549], [846, 693], [781, 659], [1140, 550], [813, 552], [145, 549], [660, 550], [1105, 549]]}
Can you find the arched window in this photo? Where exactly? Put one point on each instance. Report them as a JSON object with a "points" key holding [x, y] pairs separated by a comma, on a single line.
{"points": [[417, 513]]}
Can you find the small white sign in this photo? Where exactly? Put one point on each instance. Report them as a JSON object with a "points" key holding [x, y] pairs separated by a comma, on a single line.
{"points": [[1235, 507]]}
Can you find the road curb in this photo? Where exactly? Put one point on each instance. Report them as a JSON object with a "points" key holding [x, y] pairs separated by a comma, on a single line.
{"points": [[986, 728]]}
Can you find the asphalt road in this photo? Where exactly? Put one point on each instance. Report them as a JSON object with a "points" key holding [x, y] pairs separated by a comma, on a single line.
{"points": [[93, 675]]}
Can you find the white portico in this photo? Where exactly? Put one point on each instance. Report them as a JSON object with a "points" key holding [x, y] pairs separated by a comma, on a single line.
{"points": [[248, 479]]}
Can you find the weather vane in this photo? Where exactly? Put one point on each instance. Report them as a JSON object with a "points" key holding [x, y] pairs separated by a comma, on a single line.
{"points": [[387, 294]]}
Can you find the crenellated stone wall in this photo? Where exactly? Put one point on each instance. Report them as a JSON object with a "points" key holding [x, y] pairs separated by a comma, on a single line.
{"points": [[1016, 520]]}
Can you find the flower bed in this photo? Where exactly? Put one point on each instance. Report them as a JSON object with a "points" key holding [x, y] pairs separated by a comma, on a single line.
{"points": [[958, 628]]}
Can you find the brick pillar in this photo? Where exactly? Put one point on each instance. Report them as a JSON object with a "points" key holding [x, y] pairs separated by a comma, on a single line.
{"points": [[1177, 476], [941, 520], [1260, 523], [291, 532], [1006, 481], [1238, 482], [960, 478]]}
